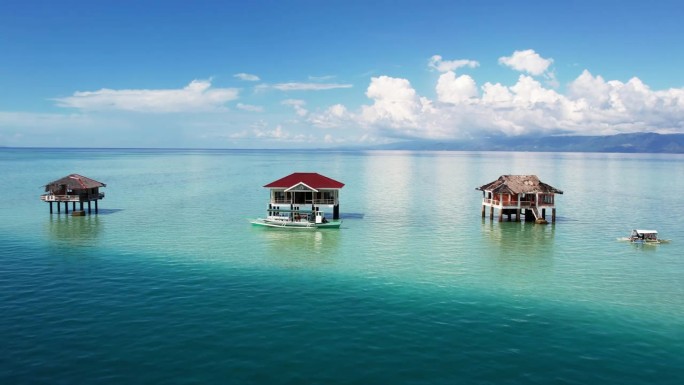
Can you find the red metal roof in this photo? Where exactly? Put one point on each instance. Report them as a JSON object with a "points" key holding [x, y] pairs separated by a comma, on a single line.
{"points": [[311, 179]]}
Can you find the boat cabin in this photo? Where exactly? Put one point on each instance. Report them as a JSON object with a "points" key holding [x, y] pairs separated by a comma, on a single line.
{"points": [[304, 194], [516, 194], [73, 188], [650, 236]]}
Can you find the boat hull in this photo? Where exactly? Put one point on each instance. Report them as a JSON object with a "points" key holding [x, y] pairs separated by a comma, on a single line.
{"points": [[294, 225]]}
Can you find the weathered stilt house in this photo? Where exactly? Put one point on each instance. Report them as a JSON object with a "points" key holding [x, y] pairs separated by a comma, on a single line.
{"points": [[519, 194], [304, 194], [73, 189]]}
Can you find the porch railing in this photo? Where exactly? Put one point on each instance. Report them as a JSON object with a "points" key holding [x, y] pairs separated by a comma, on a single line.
{"points": [[71, 197], [523, 204], [326, 201]]}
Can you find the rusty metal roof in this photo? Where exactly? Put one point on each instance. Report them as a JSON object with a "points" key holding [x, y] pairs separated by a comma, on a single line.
{"points": [[74, 182], [519, 184]]}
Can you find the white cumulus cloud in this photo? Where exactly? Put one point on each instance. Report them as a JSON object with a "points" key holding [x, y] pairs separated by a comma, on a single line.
{"points": [[335, 116], [247, 77], [452, 89], [527, 61], [298, 106], [436, 62], [395, 102], [198, 96]]}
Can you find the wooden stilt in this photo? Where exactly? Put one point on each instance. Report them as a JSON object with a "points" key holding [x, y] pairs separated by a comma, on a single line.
{"points": [[484, 210], [50, 207], [501, 215], [517, 215], [66, 207], [95, 207], [553, 215], [59, 208], [88, 207], [81, 205], [544, 213], [73, 206], [491, 213]]}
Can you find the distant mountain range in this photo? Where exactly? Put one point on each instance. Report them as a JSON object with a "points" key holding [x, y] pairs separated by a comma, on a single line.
{"points": [[625, 143]]}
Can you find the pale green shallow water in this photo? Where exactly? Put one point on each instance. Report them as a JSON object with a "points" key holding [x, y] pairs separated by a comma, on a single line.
{"points": [[171, 284]]}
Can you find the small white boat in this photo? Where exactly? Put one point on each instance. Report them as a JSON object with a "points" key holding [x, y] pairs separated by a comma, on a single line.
{"points": [[302, 221], [646, 237]]}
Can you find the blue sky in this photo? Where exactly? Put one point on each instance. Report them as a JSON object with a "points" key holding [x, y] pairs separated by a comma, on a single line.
{"points": [[312, 74]]}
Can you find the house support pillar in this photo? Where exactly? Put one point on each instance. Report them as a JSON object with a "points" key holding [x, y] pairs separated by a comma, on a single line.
{"points": [[517, 215], [95, 207], [50, 207], [66, 207], [336, 212], [553, 215], [500, 215], [484, 211], [491, 213]]}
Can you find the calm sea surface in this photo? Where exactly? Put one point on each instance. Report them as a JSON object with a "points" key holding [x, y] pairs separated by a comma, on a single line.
{"points": [[171, 284]]}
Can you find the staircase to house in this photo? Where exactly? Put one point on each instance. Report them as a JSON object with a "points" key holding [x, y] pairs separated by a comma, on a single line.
{"points": [[538, 218]]}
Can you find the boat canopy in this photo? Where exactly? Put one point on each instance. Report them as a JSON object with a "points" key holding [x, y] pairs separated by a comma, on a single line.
{"points": [[646, 231]]}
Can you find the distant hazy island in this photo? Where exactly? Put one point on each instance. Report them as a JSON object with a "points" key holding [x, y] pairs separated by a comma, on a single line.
{"points": [[625, 143]]}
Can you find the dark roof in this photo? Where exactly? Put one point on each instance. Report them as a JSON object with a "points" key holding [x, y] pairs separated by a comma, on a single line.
{"points": [[519, 184], [75, 182], [311, 179]]}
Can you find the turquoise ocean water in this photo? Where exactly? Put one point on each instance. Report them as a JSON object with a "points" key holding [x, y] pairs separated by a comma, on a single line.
{"points": [[171, 284]]}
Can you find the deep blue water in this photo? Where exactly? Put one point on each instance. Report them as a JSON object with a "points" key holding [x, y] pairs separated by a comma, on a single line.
{"points": [[170, 283]]}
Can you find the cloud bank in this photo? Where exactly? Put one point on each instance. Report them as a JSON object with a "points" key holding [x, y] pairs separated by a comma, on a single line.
{"points": [[198, 96], [457, 107], [461, 108]]}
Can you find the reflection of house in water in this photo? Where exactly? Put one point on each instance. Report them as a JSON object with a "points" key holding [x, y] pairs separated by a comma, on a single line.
{"points": [[511, 194], [75, 232], [73, 188], [301, 249], [303, 193]]}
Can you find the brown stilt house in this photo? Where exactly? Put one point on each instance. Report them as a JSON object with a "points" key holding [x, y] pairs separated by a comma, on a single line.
{"points": [[73, 189], [516, 194]]}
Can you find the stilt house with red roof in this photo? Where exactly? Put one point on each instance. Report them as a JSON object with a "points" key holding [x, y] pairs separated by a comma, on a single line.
{"points": [[73, 189], [304, 193], [515, 194]]}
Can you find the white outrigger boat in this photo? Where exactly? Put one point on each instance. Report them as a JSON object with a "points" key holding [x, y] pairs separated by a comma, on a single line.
{"points": [[301, 221], [645, 237]]}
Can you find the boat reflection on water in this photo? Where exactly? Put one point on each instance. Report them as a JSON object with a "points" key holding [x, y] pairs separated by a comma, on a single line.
{"points": [[300, 249]]}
